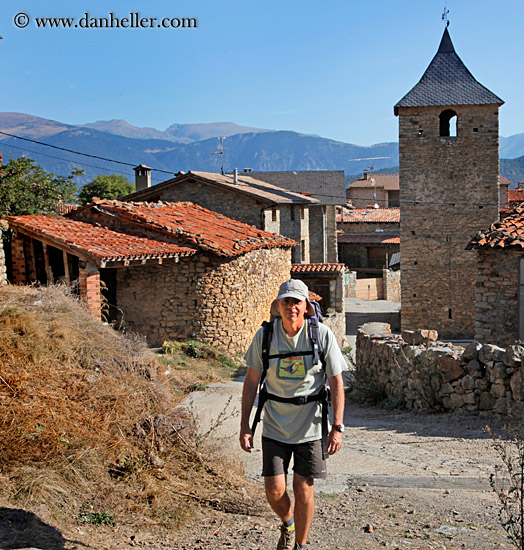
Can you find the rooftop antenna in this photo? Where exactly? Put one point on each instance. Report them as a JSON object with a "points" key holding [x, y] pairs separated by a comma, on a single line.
{"points": [[221, 153], [373, 185], [445, 14]]}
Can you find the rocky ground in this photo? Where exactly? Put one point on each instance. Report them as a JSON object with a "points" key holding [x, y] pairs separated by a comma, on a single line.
{"points": [[404, 480]]}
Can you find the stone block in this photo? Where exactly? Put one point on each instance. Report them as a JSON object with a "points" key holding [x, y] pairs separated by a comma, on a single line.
{"points": [[450, 368], [498, 390], [491, 354], [517, 386], [471, 351], [468, 382], [419, 336], [513, 355], [456, 400], [486, 401]]}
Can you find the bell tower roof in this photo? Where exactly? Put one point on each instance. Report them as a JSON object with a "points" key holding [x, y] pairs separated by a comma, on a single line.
{"points": [[447, 81]]}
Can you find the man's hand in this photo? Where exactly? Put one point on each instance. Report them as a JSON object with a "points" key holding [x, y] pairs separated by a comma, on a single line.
{"points": [[334, 442], [246, 440]]}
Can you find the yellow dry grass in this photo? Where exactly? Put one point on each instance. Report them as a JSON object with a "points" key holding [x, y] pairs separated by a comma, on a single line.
{"points": [[86, 420]]}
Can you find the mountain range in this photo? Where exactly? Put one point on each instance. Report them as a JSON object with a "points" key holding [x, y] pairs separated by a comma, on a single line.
{"points": [[183, 147]]}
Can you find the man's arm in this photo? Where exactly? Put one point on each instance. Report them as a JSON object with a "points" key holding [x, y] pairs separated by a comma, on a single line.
{"points": [[249, 393], [336, 385]]}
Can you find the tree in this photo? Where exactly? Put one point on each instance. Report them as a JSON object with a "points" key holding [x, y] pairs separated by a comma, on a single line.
{"points": [[26, 188], [105, 187]]}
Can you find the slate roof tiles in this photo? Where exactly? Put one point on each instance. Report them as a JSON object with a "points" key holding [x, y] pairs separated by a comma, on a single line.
{"points": [[447, 81]]}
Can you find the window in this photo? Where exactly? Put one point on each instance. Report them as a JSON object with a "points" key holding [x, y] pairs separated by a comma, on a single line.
{"points": [[301, 212], [292, 212], [274, 215], [448, 123], [303, 250]]}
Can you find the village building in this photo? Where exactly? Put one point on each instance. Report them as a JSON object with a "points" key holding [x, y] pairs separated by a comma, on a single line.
{"points": [[368, 238], [240, 197], [449, 190], [169, 271], [383, 191], [325, 186], [500, 280]]}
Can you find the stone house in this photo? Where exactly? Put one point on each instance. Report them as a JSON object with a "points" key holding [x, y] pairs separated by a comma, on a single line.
{"points": [[383, 190], [239, 197], [499, 288], [368, 238], [327, 187], [169, 271], [449, 190], [374, 189]]}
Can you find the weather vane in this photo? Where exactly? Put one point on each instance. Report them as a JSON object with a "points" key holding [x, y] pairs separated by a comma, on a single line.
{"points": [[445, 15]]}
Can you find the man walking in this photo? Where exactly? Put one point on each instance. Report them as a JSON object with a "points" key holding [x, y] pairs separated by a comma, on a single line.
{"points": [[294, 396]]}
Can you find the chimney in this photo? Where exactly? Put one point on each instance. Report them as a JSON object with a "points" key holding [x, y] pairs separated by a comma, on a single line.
{"points": [[235, 176], [366, 175], [142, 177], [246, 170]]}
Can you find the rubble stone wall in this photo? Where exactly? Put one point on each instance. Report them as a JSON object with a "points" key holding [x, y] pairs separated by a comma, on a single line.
{"points": [[437, 376], [391, 285], [496, 295], [3, 267], [219, 301]]}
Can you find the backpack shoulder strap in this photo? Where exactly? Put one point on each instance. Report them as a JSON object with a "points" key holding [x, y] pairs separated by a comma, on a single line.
{"points": [[314, 336], [267, 335]]}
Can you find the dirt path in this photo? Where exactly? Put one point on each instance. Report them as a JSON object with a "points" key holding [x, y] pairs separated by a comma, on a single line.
{"points": [[402, 481]]}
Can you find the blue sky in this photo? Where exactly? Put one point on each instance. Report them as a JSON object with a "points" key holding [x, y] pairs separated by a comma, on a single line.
{"points": [[334, 69]]}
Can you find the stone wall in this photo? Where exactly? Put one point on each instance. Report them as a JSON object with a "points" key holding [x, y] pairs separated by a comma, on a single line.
{"points": [[219, 301], [331, 233], [449, 190], [317, 235], [437, 376], [3, 267], [391, 285], [351, 286], [497, 303]]}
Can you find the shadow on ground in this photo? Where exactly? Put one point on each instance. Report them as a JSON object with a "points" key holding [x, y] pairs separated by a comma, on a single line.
{"points": [[22, 529]]}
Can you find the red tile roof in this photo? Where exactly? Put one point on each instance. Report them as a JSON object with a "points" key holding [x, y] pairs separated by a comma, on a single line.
{"points": [[375, 238], [516, 195], [95, 242], [370, 215], [187, 228], [317, 268], [508, 232], [192, 225]]}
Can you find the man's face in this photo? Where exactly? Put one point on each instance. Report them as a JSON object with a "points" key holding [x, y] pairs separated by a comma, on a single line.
{"points": [[291, 309]]}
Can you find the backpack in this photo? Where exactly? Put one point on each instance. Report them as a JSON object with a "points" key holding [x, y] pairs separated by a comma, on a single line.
{"points": [[317, 352]]}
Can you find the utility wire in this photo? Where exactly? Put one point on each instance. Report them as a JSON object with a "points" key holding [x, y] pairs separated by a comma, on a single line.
{"points": [[79, 153]]}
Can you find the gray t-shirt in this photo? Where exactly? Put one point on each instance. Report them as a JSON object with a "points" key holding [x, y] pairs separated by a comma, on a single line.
{"points": [[292, 377]]}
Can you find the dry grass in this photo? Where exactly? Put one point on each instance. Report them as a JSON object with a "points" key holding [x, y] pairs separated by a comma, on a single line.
{"points": [[89, 420]]}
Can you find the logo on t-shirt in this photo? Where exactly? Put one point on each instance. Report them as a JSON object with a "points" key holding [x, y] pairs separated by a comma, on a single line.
{"points": [[292, 368]]}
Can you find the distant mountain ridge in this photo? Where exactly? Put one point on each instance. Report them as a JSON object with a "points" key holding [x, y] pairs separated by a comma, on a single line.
{"points": [[183, 147]]}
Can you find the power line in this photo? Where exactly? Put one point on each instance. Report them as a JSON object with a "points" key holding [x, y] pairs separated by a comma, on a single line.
{"points": [[79, 153]]}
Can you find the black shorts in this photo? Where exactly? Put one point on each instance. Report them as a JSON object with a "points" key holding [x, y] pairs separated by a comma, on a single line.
{"points": [[307, 458]]}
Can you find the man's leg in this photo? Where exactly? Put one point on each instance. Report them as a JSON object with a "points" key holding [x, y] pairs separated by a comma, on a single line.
{"points": [[278, 497], [303, 489]]}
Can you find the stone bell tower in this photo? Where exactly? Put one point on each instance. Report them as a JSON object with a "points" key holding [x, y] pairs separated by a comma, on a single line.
{"points": [[449, 190]]}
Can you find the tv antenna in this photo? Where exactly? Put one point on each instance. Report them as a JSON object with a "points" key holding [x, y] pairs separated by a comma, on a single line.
{"points": [[445, 14], [221, 153]]}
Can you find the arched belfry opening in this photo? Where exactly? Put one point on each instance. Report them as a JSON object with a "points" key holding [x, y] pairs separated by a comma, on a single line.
{"points": [[448, 123]]}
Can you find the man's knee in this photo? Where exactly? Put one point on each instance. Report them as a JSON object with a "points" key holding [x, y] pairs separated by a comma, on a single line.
{"points": [[275, 486], [303, 487]]}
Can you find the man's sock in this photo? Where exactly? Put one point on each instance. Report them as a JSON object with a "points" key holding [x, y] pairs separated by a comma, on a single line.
{"points": [[290, 522], [299, 546]]}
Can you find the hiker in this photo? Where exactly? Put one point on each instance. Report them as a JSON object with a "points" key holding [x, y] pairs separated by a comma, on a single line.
{"points": [[299, 355]]}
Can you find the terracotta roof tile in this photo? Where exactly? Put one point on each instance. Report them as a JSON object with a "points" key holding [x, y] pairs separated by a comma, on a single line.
{"points": [[516, 195], [193, 225], [375, 238], [95, 242], [370, 215], [317, 268], [507, 232]]}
